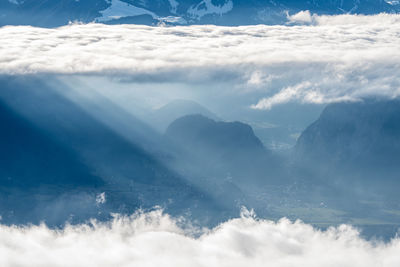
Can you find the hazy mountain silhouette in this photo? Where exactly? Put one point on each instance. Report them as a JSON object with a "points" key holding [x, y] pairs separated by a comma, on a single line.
{"points": [[357, 134], [206, 134], [354, 146], [228, 150]]}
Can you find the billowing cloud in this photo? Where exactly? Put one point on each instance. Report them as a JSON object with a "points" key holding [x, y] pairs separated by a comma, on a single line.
{"points": [[333, 58], [303, 17], [154, 239]]}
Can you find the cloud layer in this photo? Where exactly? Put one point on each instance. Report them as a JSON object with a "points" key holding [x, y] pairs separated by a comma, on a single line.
{"points": [[333, 58], [154, 239]]}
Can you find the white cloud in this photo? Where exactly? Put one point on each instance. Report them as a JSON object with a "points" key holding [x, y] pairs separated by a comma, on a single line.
{"points": [[154, 239], [304, 92], [335, 58], [301, 17]]}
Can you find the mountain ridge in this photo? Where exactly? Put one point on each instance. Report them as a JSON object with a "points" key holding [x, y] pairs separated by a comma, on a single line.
{"points": [[47, 13]]}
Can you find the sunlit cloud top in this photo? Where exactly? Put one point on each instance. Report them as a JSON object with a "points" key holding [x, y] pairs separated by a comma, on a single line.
{"points": [[332, 58]]}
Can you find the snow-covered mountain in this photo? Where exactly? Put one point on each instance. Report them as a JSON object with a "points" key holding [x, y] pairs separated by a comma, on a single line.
{"points": [[221, 12]]}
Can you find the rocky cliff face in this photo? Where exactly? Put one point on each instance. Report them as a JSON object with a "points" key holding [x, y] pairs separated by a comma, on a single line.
{"points": [[362, 136]]}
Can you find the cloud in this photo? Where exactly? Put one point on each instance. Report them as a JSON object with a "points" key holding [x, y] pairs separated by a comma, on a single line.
{"points": [[305, 92], [156, 239], [302, 17], [335, 58], [305, 17]]}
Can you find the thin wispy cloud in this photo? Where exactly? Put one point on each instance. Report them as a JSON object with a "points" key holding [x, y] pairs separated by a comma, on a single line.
{"points": [[332, 58], [154, 239]]}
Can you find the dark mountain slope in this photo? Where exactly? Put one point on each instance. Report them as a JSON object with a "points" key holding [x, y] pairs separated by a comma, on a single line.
{"points": [[363, 135], [30, 158], [349, 159], [132, 177], [353, 150]]}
